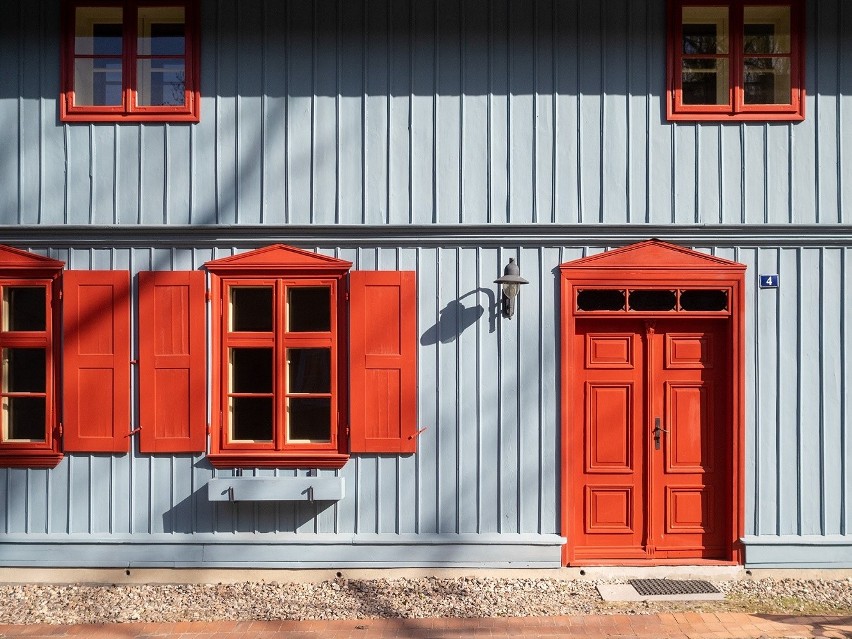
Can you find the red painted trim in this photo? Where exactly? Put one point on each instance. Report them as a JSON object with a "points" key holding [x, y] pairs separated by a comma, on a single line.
{"points": [[172, 341], [652, 264], [19, 268], [383, 333], [736, 110], [280, 267], [278, 460], [30, 459], [96, 361], [129, 111]]}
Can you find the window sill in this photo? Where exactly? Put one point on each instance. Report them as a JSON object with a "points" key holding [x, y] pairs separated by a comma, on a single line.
{"points": [[277, 460], [720, 117], [40, 459], [107, 118]]}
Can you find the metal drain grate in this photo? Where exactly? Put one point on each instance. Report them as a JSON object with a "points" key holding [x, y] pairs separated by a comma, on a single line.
{"points": [[646, 587]]}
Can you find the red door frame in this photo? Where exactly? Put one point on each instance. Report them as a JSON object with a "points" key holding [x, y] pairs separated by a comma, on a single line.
{"points": [[653, 265]]}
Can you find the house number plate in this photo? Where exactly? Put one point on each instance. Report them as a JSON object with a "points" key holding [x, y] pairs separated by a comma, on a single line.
{"points": [[769, 281]]}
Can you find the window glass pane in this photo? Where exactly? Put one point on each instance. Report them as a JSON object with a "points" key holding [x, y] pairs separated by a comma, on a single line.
{"points": [[700, 300], [766, 30], [767, 81], [160, 82], [24, 370], [98, 31], [251, 418], [309, 370], [160, 31], [651, 300], [705, 30], [251, 370], [600, 300], [24, 418], [24, 308], [251, 309], [97, 82], [309, 419], [705, 81], [309, 309]]}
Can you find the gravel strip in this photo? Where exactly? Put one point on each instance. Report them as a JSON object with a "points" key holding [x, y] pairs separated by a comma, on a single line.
{"points": [[390, 598]]}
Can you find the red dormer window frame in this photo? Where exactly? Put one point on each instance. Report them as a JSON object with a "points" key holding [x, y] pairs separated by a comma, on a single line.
{"points": [[735, 109], [129, 110]]}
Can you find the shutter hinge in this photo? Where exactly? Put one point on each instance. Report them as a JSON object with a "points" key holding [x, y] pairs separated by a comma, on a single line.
{"points": [[346, 296], [60, 429], [60, 293], [134, 431], [207, 296], [418, 433]]}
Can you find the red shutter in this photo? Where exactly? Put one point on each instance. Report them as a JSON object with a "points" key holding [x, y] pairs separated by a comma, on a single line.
{"points": [[383, 361], [172, 382], [96, 361]]}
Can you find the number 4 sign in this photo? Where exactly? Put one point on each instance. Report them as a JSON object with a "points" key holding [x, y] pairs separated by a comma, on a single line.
{"points": [[769, 281]]}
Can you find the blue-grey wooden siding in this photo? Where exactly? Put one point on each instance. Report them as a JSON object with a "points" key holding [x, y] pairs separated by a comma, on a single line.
{"points": [[441, 113], [423, 111], [488, 461]]}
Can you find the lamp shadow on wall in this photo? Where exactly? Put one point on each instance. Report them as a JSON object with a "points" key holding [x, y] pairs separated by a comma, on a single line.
{"points": [[455, 318]]}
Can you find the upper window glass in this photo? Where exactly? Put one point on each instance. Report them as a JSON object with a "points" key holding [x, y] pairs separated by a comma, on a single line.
{"points": [[736, 60], [130, 61]]}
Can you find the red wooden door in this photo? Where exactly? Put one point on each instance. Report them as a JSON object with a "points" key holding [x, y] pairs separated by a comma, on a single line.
{"points": [[653, 482]]}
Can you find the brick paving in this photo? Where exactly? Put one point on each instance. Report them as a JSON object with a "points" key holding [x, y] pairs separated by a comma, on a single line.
{"points": [[686, 625]]}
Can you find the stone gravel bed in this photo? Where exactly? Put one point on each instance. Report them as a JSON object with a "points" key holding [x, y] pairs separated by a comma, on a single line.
{"points": [[392, 598]]}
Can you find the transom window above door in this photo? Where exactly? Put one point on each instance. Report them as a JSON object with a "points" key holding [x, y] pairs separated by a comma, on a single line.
{"points": [[699, 300], [130, 61], [736, 60]]}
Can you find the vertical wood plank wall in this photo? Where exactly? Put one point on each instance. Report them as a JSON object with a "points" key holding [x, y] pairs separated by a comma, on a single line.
{"points": [[423, 111], [488, 397], [445, 112]]}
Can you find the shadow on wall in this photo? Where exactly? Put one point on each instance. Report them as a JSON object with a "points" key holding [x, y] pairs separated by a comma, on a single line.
{"points": [[197, 514], [455, 318]]}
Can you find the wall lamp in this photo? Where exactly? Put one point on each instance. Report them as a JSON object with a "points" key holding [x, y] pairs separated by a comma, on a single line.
{"points": [[511, 282]]}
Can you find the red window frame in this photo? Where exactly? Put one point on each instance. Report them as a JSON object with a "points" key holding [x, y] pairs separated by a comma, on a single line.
{"points": [[282, 268], [22, 269], [129, 110], [735, 109], [280, 340]]}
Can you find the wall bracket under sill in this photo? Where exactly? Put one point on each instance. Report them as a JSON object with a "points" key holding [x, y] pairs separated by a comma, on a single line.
{"points": [[275, 489]]}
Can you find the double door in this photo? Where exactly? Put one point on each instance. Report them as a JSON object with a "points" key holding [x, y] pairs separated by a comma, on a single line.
{"points": [[649, 406]]}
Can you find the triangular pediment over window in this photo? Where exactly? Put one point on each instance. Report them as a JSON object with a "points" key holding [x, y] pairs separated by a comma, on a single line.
{"points": [[279, 257], [12, 259], [653, 255]]}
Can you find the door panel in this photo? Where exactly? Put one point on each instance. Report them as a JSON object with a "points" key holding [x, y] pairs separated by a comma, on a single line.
{"points": [[685, 369], [609, 427], [651, 482]]}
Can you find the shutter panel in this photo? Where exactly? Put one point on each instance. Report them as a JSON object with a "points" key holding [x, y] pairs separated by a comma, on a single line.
{"points": [[172, 371], [96, 361], [383, 361]]}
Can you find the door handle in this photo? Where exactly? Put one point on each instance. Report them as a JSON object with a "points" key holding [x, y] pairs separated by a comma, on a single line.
{"points": [[657, 431]]}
